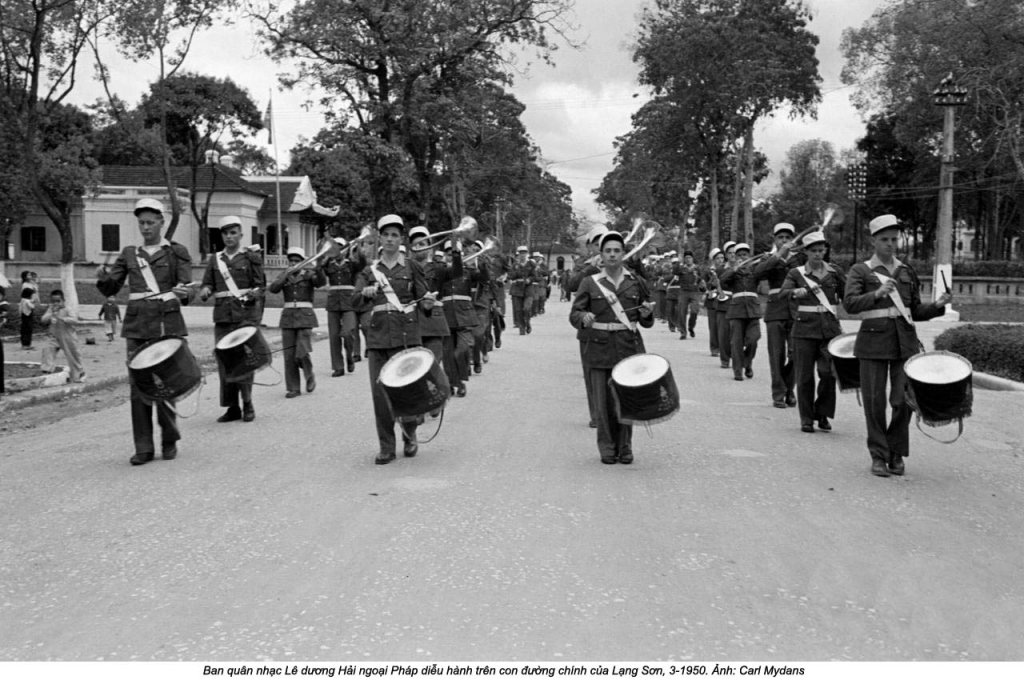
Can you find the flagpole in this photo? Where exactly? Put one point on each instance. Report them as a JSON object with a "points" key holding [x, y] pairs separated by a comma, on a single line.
{"points": [[269, 122]]}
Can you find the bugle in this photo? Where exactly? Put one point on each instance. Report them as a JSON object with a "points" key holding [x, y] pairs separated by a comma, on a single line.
{"points": [[467, 226], [365, 233], [649, 233], [328, 247], [489, 244]]}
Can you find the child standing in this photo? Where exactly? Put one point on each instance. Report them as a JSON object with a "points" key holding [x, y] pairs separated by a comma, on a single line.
{"points": [[62, 337], [111, 314]]}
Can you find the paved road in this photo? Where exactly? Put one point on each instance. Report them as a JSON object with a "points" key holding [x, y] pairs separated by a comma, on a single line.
{"points": [[733, 536]]}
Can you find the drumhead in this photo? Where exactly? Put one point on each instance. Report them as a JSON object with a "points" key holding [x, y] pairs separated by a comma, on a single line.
{"points": [[236, 337], [937, 368], [842, 345], [155, 353], [640, 369], [407, 367]]}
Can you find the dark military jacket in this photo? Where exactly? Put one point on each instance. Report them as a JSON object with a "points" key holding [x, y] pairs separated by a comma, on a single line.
{"points": [[457, 294], [774, 269], [819, 325], [341, 281], [155, 317], [888, 337], [741, 283], [246, 269], [391, 328], [433, 323], [521, 276], [604, 348], [298, 287]]}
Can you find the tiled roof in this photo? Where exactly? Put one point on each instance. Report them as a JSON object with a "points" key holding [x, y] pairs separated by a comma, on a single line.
{"points": [[218, 178], [289, 185]]}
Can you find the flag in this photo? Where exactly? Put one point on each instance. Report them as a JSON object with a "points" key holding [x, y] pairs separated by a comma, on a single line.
{"points": [[268, 119]]}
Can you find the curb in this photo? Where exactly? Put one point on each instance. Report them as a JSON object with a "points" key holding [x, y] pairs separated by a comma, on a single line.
{"points": [[992, 382], [12, 403]]}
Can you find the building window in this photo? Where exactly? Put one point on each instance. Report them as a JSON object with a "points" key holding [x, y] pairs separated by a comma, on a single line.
{"points": [[110, 238], [561, 263], [272, 239], [33, 239]]}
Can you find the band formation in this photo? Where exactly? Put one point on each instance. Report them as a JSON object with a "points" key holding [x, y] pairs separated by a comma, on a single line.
{"points": [[431, 313]]}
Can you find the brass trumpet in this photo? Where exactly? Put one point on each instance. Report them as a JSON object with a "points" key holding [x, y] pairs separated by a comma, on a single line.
{"points": [[467, 228], [489, 244], [328, 247]]}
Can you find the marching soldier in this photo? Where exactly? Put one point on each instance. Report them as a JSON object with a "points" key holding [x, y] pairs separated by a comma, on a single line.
{"points": [[235, 278], [671, 279], [455, 295], [722, 309], [541, 283], [298, 320], [777, 319], [157, 273], [690, 288], [609, 305], [887, 294], [395, 284], [342, 310], [744, 313], [483, 302], [815, 291], [521, 277], [434, 332], [716, 262], [583, 270]]}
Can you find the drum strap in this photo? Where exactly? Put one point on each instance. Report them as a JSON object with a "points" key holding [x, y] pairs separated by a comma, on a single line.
{"points": [[147, 273], [818, 292], [389, 292], [613, 302], [229, 281], [896, 299]]}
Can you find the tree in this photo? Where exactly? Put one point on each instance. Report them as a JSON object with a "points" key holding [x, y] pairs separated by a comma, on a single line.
{"points": [[729, 63], [165, 29], [810, 179], [195, 113], [897, 58], [41, 44], [380, 63]]}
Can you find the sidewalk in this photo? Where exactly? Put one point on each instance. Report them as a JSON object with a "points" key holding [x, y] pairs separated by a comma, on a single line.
{"points": [[104, 362]]}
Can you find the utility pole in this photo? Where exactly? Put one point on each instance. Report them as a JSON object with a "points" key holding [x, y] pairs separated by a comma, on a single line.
{"points": [[856, 182], [948, 96]]}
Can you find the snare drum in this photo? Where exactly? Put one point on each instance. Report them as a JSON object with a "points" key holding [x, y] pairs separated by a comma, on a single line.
{"points": [[845, 366], [939, 387], [414, 383], [242, 352], [644, 389], [164, 369]]}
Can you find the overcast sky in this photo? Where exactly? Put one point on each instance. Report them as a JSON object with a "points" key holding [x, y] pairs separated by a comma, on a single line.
{"points": [[575, 109]]}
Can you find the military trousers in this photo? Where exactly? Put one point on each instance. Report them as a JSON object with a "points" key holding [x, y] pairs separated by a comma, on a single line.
{"points": [[887, 441], [780, 357], [810, 354], [142, 413], [383, 417], [744, 334]]}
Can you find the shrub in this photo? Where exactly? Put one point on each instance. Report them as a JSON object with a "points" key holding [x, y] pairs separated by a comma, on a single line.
{"points": [[997, 349]]}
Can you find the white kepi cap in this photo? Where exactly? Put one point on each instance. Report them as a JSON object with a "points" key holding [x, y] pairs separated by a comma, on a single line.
{"points": [[229, 221], [297, 250], [883, 222], [148, 204]]}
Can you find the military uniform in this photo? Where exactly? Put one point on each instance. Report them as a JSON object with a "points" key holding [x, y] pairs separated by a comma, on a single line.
{"points": [[813, 327], [297, 323], [669, 276], [583, 336], [688, 304], [521, 277], [390, 331], [743, 314], [778, 325], [722, 321], [607, 341], [483, 304], [230, 312], [711, 308], [150, 317], [456, 294], [884, 342], [342, 310], [434, 332]]}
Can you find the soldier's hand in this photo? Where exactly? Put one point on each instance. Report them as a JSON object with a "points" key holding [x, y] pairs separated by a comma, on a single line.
{"points": [[369, 291], [587, 320], [944, 299], [101, 271], [799, 292], [204, 293], [646, 309], [888, 287]]}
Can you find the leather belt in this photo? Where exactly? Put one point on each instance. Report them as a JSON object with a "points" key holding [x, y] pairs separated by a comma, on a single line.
{"points": [[341, 287], [887, 313], [298, 305], [447, 298], [601, 326], [744, 294], [166, 297], [816, 308]]}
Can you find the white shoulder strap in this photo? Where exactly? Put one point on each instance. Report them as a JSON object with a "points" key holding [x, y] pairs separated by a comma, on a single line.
{"points": [[818, 292], [613, 301], [225, 273], [147, 273], [389, 291]]}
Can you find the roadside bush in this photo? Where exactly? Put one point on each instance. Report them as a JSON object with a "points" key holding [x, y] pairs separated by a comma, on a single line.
{"points": [[997, 349]]}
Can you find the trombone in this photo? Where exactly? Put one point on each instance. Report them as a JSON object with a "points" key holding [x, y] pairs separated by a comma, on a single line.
{"points": [[467, 226]]}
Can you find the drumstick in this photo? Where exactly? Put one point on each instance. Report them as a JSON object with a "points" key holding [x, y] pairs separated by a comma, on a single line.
{"points": [[945, 282]]}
